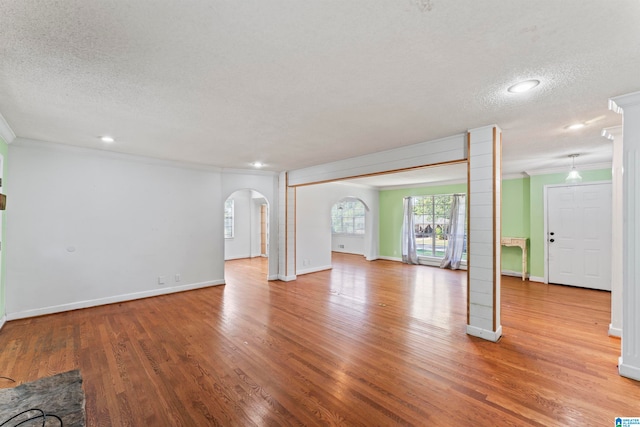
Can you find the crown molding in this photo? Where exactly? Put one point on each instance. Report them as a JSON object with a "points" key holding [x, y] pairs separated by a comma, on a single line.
{"points": [[519, 175], [617, 104], [6, 132], [249, 172], [612, 133], [565, 169], [54, 146]]}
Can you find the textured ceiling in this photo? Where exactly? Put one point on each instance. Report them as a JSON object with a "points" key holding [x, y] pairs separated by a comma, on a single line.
{"points": [[300, 83]]}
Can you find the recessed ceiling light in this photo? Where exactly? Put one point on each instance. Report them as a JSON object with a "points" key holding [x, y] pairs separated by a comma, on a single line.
{"points": [[523, 86], [107, 139], [576, 126], [257, 164]]}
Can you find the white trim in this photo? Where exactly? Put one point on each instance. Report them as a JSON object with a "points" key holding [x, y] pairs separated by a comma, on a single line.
{"points": [[614, 332], [272, 277], [239, 256], [520, 175], [565, 169], [389, 258], [424, 184], [617, 103], [110, 300], [258, 172], [5, 131], [484, 333], [513, 273], [24, 142], [284, 278], [3, 320], [440, 151], [628, 370], [536, 279], [314, 270]]}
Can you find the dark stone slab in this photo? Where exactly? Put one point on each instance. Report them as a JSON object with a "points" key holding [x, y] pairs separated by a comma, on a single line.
{"points": [[60, 394]]}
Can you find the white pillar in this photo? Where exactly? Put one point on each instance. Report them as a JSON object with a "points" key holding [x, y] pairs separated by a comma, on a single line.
{"points": [[629, 105], [287, 229], [615, 135], [484, 197]]}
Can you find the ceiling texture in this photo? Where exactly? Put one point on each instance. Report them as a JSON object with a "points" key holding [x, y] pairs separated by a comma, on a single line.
{"points": [[300, 83]]}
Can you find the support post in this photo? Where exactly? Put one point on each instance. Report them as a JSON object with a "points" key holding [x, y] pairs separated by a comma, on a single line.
{"points": [[484, 175]]}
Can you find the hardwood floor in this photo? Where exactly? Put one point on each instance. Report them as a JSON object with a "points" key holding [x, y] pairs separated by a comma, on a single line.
{"points": [[366, 343]]}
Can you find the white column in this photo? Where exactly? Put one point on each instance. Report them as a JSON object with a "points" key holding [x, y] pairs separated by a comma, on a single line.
{"points": [[615, 135], [484, 198], [629, 105], [287, 230]]}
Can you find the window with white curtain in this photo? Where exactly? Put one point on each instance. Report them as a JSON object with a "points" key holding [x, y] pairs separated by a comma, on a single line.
{"points": [[431, 216]]}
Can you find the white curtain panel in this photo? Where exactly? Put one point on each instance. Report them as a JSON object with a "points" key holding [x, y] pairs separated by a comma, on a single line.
{"points": [[455, 238], [409, 254]]}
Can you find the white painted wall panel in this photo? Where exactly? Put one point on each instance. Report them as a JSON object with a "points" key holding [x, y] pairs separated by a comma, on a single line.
{"points": [[88, 228], [449, 149]]}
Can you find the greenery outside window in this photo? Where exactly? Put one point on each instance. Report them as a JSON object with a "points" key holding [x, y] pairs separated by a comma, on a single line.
{"points": [[431, 218], [347, 217]]}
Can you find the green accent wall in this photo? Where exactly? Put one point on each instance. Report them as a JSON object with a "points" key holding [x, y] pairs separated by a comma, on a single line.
{"points": [[522, 215], [4, 151], [391, 213], [515, 220]]}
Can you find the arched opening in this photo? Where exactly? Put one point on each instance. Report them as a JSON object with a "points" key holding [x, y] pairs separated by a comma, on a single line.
{"points": [[246, 227], [348, 226]]}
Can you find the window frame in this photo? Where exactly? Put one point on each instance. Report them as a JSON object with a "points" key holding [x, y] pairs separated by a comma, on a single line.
{"points": [[229, 215], [357, 219]]}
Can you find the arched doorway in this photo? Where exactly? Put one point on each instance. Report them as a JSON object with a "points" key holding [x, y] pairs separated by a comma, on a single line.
{"points": [[246, 225]]}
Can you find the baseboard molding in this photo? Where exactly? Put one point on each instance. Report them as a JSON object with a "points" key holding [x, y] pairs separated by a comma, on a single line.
{"points": [[313, 270], [628, 371], [3, 320], [110, 300], [272, 277], [614, 332], [513, 273], [493, 336], [536, 279], [389, 258], [284, 278], [237, 257]]}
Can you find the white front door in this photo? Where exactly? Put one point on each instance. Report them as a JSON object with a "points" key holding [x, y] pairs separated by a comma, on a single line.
{"points": [[579, 235]]}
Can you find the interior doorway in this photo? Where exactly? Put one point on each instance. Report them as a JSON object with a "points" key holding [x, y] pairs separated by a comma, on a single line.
{"points": [[578, 235], [246, 225]]}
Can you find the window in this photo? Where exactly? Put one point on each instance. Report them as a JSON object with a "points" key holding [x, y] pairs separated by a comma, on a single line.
{"points": [[228, 219], [431, 217], [347, 217]]}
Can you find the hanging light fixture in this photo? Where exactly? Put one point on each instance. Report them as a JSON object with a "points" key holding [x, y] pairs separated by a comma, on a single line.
{"points": [[574, 175]]}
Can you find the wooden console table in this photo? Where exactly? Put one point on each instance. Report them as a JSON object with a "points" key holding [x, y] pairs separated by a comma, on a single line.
{"points": [[521, 242]]}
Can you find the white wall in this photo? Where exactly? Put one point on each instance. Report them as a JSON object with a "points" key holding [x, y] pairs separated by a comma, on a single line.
{"points": [[349, 244], [313, 223], [239, 246], [265, 183], [89, 227]]}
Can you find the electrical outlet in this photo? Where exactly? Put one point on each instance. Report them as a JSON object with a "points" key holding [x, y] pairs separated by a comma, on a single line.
{"points": [[161, 280], [341, 246], [177, 277]]}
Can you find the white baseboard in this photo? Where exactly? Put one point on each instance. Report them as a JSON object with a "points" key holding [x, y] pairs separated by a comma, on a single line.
{"points": [[3, 320], [485, 334], [110, 300], [284, 278], [628, 371], [231, 258], [272, 277], [614, 332], [536, 279], [513, 273], [313, 270], [389, 258]]}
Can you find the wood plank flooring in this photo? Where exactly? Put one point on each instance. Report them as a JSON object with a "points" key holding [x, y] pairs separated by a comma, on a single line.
{"points": [[364, 344]]}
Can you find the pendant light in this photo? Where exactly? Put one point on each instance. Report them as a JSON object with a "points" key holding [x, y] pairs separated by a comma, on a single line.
{"points": [[574, 176]]}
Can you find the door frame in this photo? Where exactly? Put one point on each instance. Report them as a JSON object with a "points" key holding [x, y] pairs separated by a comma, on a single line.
{"points": [[546, 215]]}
